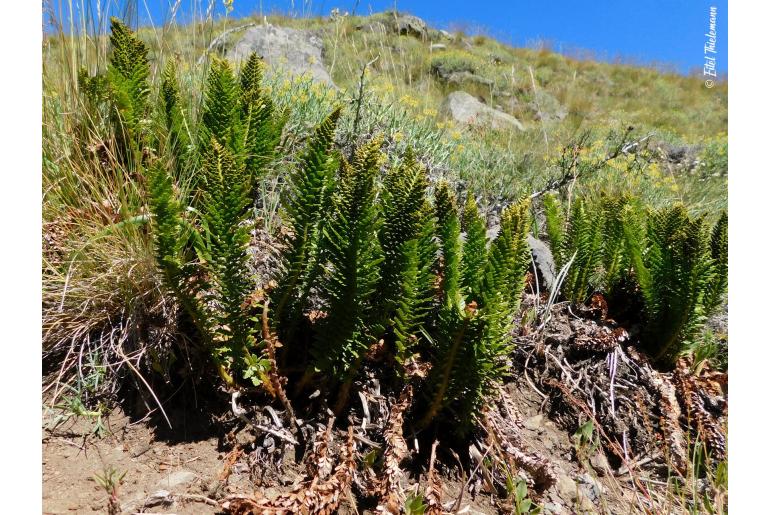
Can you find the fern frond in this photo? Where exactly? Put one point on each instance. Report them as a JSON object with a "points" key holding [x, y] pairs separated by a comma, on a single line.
{"points": [[128, 74], [448, 232], [225, 207], [509, 257], [402, 197], [584, 238], [675, 269], [554, 225], [474, 256], [261, 125], [352, 252], [717, 287], [309, 187], [171, 106], [220, 119]]}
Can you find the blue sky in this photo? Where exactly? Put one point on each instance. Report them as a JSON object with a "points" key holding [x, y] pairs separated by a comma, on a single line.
{"points": [[666, 32]]}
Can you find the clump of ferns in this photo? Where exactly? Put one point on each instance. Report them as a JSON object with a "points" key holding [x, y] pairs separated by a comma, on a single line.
{"points": [[202, 239], [675, 264], [680, 265], [481, 288]]}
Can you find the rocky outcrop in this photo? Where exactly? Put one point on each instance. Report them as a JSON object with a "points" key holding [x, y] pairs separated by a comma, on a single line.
{"points": [[467, 109], [295, 51], [394, 21]]}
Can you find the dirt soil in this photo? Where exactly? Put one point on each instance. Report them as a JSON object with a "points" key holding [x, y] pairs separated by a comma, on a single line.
{"points": [[182, 477]]}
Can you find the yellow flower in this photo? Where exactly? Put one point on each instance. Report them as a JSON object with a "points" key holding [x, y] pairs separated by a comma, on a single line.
{"points": [[455, 135], [460, 147], [441, 125], [429, 112], [398, 136]]}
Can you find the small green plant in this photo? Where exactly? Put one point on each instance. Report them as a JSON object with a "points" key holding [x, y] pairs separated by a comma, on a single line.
{"points": [[518, 492], [579, 235], [415, 504], [586, 442], [473, 335], [110, 480]]}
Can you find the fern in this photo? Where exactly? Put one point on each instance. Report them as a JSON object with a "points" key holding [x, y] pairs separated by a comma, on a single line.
{"points": [[225, 207], [509, 257], [474, 255], [173, 115], [717, 287], [615, 259], [309, 187], [554, 225], [474, 338], [352, 253], [674, 269], [448, 232], [220, 120], [128, 74], [582, 236], [261, 125], [402, 197]]}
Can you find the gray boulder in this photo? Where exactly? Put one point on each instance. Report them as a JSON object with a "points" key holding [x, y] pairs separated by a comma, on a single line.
{"points": [[409, 25], [394, 21], [295, 51], [467, 109]]}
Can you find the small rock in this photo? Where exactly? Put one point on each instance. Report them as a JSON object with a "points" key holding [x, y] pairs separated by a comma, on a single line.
{"points": [[590, 487], [567, 487], [437, 46], [447, 35], [177, 479], [467, 109], [409, 25], [553, 508], [600, 464], [534, 423]]}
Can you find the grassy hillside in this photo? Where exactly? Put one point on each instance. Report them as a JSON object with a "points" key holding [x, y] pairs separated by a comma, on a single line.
{"points": [[562, 102]]}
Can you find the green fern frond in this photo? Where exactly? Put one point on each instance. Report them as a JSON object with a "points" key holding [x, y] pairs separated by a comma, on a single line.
{"points": [[717, 287], [674, 267], [584, 239], [261, 125], [225, 208], [173, 115], [474, 256], [509, 257], [402, 197], [352, 254], [448, 232], [220, 119], [309, 187], [128, 74], [554, 225], [615, 256]]}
